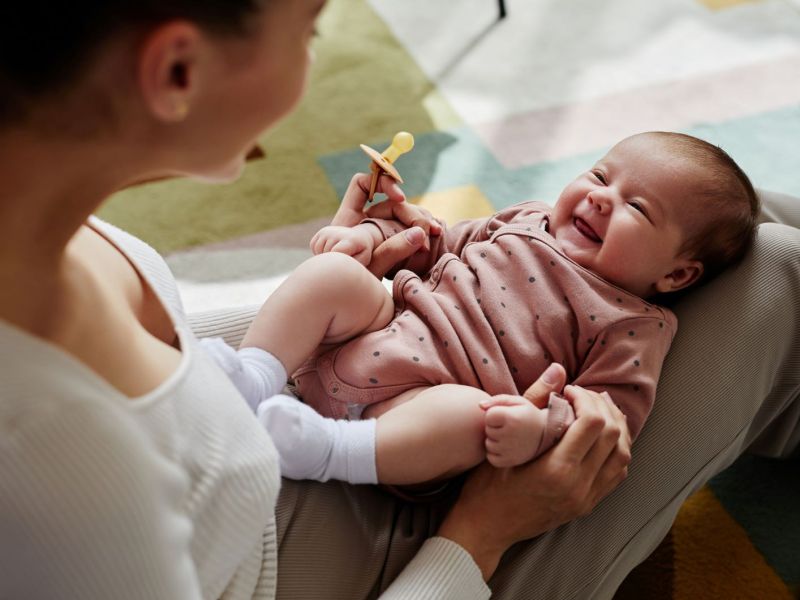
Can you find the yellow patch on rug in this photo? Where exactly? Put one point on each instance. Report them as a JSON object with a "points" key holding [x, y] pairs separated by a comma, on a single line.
{"points": [[456, 204], [714, 557], [723, 4]]}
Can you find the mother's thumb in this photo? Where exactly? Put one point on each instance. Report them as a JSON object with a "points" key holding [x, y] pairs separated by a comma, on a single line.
{"points": [[553, 379], [397, 248]]}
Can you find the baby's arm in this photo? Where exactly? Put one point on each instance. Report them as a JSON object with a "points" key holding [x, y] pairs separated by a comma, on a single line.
{"points": [[625, 361], [361, 240], [437, 432], [453, 239]]}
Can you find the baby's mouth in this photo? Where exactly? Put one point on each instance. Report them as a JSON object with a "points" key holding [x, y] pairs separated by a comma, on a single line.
{"points": [[586, 230]]}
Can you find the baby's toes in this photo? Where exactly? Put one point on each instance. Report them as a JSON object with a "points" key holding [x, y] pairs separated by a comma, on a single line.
{"points": [[500, 461], [496, 417], [497, 453], [493, 447]]}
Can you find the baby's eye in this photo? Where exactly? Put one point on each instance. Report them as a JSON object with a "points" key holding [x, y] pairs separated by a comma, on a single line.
{"points": [[599, 176], [638, 207]]}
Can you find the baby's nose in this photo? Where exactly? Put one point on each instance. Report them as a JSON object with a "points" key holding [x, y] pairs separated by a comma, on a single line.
{"points": [[599, 201]]}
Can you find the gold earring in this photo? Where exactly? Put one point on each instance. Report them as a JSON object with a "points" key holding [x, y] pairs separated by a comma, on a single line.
{"points": [[181, 110]]}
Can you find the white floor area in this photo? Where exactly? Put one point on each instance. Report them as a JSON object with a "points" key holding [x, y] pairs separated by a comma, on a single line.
{"points": [[552, 52]]}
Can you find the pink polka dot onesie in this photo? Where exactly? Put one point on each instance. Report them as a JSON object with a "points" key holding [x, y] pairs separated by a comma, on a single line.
{"points": [[491, 305]]}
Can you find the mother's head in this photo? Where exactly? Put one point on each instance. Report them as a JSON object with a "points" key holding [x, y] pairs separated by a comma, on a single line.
{"points": [[193, 81]]}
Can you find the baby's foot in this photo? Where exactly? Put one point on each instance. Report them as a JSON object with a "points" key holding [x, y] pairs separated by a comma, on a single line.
{"points": [[514, 429], [311, 446]]}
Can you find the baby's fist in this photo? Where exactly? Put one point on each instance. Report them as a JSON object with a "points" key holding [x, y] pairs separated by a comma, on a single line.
{"points": [[356, 241]]}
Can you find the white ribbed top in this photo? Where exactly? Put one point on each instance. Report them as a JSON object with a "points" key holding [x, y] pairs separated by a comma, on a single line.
{"points": [[170, 495]]}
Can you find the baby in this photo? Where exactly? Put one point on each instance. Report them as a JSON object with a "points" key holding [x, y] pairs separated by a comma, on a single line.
{"points": [[426, 383]]}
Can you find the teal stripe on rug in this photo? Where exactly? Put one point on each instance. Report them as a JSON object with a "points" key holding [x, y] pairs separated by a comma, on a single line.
{"points": [[446, 159], [765, 145]]}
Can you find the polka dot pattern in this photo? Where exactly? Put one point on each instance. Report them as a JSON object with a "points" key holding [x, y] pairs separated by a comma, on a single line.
{"points": [[506, 331]]}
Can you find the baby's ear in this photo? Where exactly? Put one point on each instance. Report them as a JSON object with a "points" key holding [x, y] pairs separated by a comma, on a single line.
{"points": [[685, 273]]}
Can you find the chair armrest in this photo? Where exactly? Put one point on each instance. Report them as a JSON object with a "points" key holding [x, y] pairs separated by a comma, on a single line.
{"points": [[230, 323], [779, 208]]}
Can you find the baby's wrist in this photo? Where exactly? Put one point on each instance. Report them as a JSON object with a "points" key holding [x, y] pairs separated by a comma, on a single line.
{"points": [[372, 231]]}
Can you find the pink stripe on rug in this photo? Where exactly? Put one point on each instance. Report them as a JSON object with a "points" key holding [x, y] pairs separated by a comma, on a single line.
{"points": [[563, 131]]}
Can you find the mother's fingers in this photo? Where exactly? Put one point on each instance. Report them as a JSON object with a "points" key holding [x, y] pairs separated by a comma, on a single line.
{"points": [[613, 472], [579, 439], [397, 248], [551, 380], [351, 210], [408, 214], [614, 410], [595, 432], [624, 440], [606, 462], [387, 185], [608, 440]]}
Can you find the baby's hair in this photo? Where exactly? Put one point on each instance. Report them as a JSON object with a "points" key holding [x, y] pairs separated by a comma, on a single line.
{"points": [[45, 45], [730, 206]]}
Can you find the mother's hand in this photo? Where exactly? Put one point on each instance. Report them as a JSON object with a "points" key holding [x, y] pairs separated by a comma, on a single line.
{"points": [[499, 507], [420, 222]]}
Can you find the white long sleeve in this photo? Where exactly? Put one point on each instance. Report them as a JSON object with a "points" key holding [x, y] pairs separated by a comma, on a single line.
{"points": [[441, 570], [88, 509], [170, 495]]}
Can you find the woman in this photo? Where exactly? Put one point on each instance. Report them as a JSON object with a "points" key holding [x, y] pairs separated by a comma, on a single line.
{"points": [[129, 466]]}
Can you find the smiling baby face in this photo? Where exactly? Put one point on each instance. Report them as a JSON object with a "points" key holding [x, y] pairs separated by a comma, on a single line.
{"points": [[627, 218]]}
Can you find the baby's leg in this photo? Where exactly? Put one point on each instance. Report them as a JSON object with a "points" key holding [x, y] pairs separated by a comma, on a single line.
{"points": [[328, 299], [420, 436], [429, 434], [441, 431]]}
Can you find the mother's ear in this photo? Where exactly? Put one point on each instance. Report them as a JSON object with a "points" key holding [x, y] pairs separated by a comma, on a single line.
{"points": [[686, 272], [167, 66]]}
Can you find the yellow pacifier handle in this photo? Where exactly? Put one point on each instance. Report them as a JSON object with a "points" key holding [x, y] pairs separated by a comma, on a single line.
{"points": [[401, 143]]}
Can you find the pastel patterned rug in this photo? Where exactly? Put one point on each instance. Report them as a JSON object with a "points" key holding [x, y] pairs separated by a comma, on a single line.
{"points": [[503, 111]]}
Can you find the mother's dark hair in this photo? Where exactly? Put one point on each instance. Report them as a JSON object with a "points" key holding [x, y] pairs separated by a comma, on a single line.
{"points": [[45, 44]]}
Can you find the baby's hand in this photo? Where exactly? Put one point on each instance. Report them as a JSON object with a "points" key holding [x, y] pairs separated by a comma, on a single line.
{"points": [[358, 241], [513, 428]]}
